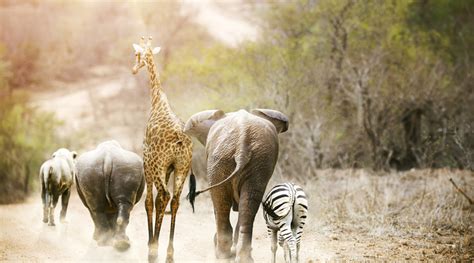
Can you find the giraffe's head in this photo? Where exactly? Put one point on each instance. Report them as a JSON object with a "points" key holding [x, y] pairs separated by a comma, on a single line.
{"points": [[143, 52]]}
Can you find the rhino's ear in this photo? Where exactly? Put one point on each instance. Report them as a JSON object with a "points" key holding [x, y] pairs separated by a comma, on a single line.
{"points": [[200, 123], [277, 118]]}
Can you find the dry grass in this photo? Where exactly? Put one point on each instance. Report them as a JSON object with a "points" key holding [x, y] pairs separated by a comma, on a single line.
{"points": [[418, 205]]}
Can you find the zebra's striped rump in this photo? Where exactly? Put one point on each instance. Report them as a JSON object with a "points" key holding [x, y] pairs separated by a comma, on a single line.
{"points": [[285, 210]]}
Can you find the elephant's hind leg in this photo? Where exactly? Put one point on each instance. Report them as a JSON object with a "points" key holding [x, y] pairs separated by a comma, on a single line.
{"points": [[222, 202], [249, 203]]}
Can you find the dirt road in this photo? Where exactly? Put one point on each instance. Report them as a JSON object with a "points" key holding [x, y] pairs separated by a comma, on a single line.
{"points": [[24, 237]]}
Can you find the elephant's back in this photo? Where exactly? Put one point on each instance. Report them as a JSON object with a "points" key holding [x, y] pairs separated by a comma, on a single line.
{"points": [[259, 134], [239, 132]]}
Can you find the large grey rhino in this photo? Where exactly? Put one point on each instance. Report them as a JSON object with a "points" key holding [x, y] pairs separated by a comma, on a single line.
{"points": [[110, 182], [57, 177]]}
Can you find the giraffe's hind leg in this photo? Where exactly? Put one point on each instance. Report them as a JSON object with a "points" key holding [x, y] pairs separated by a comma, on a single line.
{"points": [[149, 210], [179, 179], [161, 200], [152, 247]]}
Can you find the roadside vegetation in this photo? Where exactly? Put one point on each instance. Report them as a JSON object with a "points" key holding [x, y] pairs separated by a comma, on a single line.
{"points": [[372, 88]]}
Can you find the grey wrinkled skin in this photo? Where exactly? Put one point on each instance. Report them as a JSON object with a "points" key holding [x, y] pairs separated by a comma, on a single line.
{"points": [[110, 182], [56, 177], [242, 150]]}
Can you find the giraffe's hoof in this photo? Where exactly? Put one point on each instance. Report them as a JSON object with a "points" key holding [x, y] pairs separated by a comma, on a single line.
{"points": [[152, 254], [51, 224], [152, 257], [169, 259]]}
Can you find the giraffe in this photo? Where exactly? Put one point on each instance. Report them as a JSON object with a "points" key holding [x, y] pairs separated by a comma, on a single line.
{"points": [[166, 149]]}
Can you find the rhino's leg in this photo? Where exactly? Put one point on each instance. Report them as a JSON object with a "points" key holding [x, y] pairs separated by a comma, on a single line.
{"points": [[64, 203], [45, 203], [102, 228], [53, 201], [121, 241]]}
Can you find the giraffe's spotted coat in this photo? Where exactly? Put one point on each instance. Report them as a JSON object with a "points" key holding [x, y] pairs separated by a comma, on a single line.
{"points": [[165, 149]]}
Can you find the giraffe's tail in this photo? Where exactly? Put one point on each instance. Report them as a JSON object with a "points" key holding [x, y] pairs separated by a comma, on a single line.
{"points": [[192, 189]]}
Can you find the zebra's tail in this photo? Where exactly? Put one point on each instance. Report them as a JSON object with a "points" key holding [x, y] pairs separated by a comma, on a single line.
{"points": [[192, 189]]}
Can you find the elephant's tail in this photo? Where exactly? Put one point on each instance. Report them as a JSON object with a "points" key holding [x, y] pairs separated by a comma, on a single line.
{"points": [[107, 171], [192, 189], [242, 157]]}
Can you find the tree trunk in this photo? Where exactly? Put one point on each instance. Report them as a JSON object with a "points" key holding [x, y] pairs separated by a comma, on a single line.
{"points": [[412, 128]]}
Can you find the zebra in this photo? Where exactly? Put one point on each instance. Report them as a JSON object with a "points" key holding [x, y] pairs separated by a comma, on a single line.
{"points": [[285, 209]]}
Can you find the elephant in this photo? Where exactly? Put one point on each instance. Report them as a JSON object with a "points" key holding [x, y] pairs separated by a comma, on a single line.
{"points": [[110, 182], [242, 150], [57, 176]]}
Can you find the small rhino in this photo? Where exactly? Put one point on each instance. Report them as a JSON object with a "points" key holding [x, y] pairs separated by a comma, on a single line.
{"points": [[110, 182], [57, 176]]}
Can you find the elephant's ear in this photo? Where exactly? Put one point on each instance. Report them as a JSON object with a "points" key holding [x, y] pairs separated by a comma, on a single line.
{"points": [[277, 118], [200, 123]]}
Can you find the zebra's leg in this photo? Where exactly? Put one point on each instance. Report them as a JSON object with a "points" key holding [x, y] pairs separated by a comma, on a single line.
{"points": [[287, 237], [274, 236], [299, 232], [299, 217]]}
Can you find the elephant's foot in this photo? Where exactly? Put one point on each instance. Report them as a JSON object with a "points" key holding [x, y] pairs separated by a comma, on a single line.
{"points": [[223, 254], [244, 255], [223, 248], [244, 259]]}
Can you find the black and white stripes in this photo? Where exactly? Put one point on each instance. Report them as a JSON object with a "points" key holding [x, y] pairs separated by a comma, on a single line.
{"points": [[285, 210]]}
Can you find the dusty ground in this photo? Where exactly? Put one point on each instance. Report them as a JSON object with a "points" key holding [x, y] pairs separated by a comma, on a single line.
{"points": [[23, 237]]}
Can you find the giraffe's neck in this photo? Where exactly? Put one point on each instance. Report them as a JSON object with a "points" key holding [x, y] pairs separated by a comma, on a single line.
{"points": [[158, 97]]}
